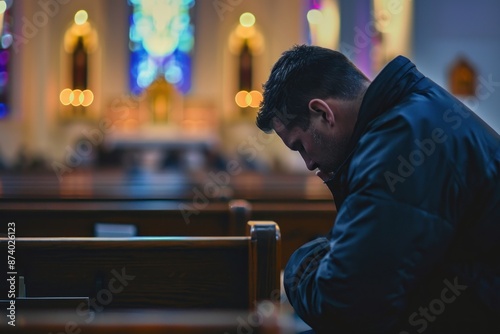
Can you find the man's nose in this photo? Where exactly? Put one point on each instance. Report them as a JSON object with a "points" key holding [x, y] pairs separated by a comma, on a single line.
{"points": [[309, 162]]}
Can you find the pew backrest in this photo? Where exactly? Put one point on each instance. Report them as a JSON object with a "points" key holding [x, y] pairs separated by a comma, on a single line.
{"points": [[85, 218], [227, 272]]}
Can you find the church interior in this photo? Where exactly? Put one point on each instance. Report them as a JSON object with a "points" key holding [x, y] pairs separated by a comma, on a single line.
{"points": [[136, 118]]}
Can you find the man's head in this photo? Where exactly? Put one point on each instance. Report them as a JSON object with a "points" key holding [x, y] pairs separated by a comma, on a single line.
{"points": [[311, 100]]}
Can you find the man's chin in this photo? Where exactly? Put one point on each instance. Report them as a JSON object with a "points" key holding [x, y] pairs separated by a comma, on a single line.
{"points": [[322, 174]]}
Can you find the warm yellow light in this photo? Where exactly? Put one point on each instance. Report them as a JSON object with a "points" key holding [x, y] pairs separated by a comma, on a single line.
{"points": [[245, 32], [243, 98], [81, 17], [88, 97], [64, 97], [314, 16], [76, 97], [324, 25], [255, 98], [248, 99], [247, 19], [395, 23], [3, 7]]}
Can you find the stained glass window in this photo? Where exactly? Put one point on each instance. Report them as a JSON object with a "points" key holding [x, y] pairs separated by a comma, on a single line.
{"points": [[161, 39], [6, 40]]}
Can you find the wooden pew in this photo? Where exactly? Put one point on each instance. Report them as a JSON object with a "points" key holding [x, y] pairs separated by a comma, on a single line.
{"points": [[263, 321], [164, 204], [152, 272], [81, 218], [299, 221]]}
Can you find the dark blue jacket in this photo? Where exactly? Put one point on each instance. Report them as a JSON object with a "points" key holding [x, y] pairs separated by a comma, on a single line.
{"points": [[415, 247]]}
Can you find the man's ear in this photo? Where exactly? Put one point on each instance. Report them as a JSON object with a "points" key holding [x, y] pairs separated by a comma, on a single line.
{"points": [[319, 108]]}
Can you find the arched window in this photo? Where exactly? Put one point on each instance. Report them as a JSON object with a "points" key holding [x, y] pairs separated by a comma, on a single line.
{"points": [[79, 64], [246, 41], [80, 42]]}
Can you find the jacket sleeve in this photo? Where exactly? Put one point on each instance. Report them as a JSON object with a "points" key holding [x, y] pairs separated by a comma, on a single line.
{"points": [[382, 243]]}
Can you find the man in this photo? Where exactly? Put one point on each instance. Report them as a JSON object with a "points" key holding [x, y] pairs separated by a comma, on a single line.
{"points": [[415, 177]]}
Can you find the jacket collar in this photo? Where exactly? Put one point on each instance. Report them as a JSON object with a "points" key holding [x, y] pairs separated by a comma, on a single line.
{"points": [[394, 81], [385, 92]]}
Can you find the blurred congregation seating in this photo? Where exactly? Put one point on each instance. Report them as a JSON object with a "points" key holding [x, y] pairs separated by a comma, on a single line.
{"points": [[135, 217], [85, 204]]}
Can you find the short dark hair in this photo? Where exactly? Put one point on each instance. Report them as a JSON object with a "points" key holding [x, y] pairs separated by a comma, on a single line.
{"points": [[302, 73]]}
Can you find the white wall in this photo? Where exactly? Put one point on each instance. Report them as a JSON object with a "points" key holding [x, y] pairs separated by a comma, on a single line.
{"points": [[446, 29], [443, 30]]}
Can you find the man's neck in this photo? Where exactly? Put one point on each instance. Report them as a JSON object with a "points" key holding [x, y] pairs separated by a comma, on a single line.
{"points": [[356, 104]]}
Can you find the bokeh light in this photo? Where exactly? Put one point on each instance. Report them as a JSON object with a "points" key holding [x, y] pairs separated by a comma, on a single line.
{"points": [[248, 99], [241, 99], [88, 97], [7, 40], [314, 16], [247, 19], [81, 17], [64, 96], [76, 97], [255, 98]]}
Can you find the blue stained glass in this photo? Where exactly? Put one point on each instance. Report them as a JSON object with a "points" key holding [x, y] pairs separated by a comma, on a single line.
{"points": [[6, 40], [173, 74], [160, 44], [4, 110]]}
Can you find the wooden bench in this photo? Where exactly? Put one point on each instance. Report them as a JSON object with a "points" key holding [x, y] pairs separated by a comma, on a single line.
{"points": [[299, 221], [162, 272], [265, 320], [82, 218]]}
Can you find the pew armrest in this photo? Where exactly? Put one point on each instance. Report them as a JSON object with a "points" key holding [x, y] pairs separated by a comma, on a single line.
{"points": [[266, 237]]}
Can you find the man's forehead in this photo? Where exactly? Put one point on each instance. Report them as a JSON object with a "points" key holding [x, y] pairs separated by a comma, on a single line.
{"points": [[278, 124], [288, 135]]}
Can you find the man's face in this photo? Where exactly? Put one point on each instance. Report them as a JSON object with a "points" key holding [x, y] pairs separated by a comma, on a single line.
{"points": [[320, 146]]}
